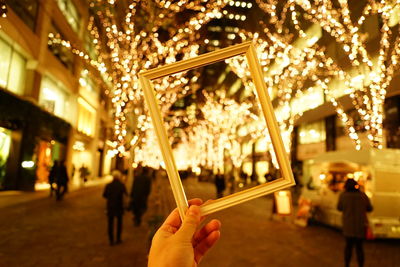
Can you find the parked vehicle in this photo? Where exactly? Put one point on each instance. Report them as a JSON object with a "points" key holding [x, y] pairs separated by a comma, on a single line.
{"points": [[377, 172]]}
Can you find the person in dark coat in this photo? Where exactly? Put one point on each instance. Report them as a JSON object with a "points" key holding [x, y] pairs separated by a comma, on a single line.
{"points": [[220, 185], [52, 177], [141, 188], [61, 180], [114, 193], [354, 204]]}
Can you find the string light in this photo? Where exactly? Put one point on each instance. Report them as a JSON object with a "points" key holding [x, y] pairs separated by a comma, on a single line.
{"points": [[368, 99], [3, 9], [291, 60]]}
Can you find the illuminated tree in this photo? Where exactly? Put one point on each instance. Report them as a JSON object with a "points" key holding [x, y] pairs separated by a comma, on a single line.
{"points": [[370, 62], [146, 35], [294, 48]]}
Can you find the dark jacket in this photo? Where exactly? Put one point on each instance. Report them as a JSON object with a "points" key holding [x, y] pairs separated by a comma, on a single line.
{"points": [[62, 175], [114, 193], [354, 205], [140, 192], [53, 174], [220, 182]]}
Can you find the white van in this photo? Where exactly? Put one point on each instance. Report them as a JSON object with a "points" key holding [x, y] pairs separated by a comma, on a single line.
{"points": [[378, 173]]}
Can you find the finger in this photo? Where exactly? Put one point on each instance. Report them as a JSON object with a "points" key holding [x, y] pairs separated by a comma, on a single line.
{"points": [[190, 223], [201, 249], [195, 201], [207, 229], [173, 221]]}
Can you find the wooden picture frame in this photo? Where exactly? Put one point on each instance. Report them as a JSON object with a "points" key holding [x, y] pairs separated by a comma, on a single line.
{"points": [[249, 51]]}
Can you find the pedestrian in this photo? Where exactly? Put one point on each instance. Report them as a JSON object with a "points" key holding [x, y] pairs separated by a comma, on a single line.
{"points": [[354, 204], [52, 177], [114, 193], [73, 171], [220, 185], [84, 173], [61, 180], [140, 192]]}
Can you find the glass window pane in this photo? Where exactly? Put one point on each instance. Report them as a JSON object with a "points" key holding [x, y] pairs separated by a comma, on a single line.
{"points": [[86, 118], [312, 132], [70, 12], [55, 98], [16, 78], [5, 58], [52, 98]]}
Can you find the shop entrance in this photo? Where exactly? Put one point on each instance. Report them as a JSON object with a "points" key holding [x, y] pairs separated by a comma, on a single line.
{"points": [[47, 153]]}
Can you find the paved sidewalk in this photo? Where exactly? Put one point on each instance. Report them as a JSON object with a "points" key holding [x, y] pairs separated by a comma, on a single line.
{"points": [[11, 198], [71, 232]]}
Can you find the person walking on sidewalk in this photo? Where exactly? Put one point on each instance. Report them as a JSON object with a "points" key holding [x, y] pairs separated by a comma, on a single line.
{"points": [[219, 184], [84, 173], [140, 192], [61, 180], [114, 193], [53, 177], [354, 204]]}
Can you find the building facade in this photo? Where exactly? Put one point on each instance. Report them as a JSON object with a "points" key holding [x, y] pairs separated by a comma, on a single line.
{"points": [[52, 102]]}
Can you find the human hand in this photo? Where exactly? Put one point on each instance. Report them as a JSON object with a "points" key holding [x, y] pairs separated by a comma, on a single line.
{"points": [[180, 244]]}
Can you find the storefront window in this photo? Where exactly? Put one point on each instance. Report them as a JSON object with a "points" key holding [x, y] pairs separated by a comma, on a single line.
{"points": [[27, 10], [12, 68], [86, 118], [46, 153], [16, 77], [5, 143], [70, 12], [314, 132], [54, 99], [43, 162], [5, 58]]}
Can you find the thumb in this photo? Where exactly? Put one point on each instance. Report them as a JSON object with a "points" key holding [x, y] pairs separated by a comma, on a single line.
{"points": [[190, 223]]}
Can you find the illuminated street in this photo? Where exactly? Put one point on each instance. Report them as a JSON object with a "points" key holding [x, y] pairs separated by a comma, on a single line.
{"points": [[73, 233], [106, 106]]}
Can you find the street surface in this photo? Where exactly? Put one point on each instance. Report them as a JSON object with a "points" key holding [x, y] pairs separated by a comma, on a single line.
{"points": [[43, 232]]}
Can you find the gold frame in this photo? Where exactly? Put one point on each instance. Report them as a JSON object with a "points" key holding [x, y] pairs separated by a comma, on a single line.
{"points": [[249, 51]]}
